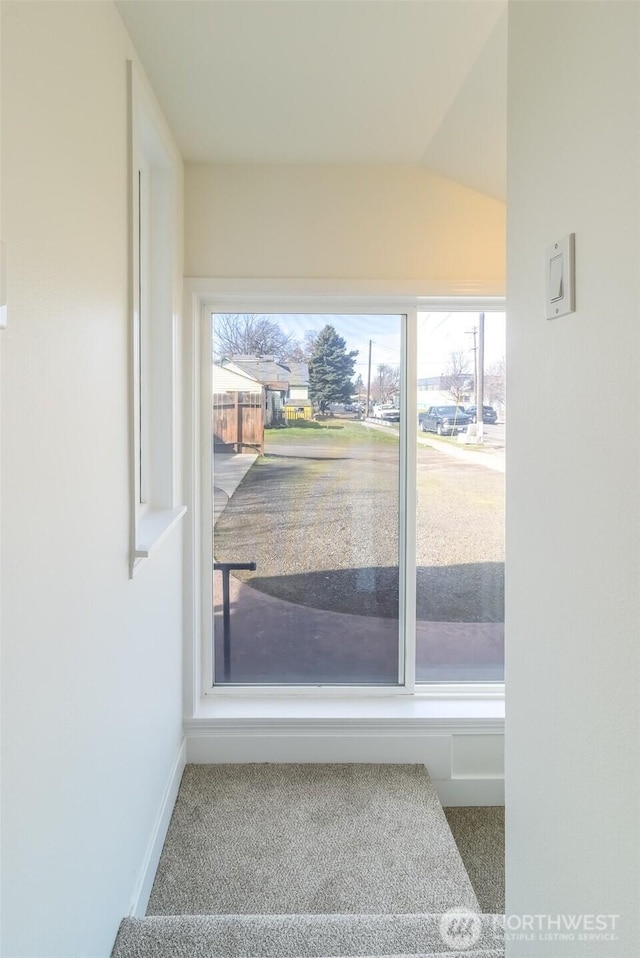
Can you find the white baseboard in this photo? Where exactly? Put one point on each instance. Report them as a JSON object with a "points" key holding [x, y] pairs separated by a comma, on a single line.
{"points": [[144, 884], [207, 746], [204, 747], [456, 792]]}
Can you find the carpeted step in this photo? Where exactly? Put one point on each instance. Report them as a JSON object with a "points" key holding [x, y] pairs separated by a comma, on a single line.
{"points": [[309, 839], [310, 936]]}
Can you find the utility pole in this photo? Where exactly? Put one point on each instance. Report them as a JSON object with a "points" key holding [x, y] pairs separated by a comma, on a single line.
{"points": [[367, 410], [480, 379], [474, 332], [478, 364]]}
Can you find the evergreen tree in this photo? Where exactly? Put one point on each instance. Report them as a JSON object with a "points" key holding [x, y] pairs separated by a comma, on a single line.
{"points": [[331, 369]]}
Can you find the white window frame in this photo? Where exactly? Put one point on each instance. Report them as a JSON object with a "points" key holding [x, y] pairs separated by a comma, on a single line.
{"points": [[153, 231], [204, 297]]}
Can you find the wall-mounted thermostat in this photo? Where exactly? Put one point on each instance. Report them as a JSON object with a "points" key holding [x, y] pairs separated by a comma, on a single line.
{"points": [[561, 277]]}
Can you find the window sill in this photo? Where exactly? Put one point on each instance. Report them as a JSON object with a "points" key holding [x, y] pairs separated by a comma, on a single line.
{"points": [[431, 711], [152, 528]]}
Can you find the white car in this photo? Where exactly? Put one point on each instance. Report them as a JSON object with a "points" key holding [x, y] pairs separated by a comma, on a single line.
{"points": [[387, 412]]}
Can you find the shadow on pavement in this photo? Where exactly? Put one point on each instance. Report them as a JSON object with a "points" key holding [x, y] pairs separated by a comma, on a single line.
{"points": [[274, 640], [469, 592]]}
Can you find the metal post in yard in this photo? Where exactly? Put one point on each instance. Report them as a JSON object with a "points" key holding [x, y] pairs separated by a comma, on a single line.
{"points": [[226, 568], [236, 422]]}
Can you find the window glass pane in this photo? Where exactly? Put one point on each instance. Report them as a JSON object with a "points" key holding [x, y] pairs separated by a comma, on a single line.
{"points": [[460, 497], [306, 487]]}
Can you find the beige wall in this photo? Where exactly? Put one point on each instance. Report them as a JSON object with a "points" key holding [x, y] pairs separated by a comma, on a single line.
{"points": [[343, 222], [91, 661], [573, 462]]}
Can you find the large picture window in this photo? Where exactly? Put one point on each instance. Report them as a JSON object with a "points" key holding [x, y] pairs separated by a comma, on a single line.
{"points": [[356, 499]]}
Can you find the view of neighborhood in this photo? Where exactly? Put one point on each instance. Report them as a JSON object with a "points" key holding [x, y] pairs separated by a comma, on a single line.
{"points": [[306, 473]]}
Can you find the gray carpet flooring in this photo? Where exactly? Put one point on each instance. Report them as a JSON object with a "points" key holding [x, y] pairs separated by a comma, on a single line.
{"points": [[303, 936], [479, 835], [309, 839]]}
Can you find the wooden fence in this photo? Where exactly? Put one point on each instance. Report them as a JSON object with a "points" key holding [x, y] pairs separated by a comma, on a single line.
{"points": [[238, 422]]}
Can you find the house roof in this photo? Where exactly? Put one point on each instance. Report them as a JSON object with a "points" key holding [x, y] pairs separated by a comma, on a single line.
{"points": [[271, 373], [299, 374]]}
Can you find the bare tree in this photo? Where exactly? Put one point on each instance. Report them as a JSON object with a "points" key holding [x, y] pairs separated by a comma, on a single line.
{"points": [[495, 381], [385, 384], [297, 354], [301, 352], [458, 375], [250, 335], [310, 340]]}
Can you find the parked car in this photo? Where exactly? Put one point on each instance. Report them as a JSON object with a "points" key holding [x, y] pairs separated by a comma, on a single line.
{"points": [[488, 414], [444, 420], [387, 412]]}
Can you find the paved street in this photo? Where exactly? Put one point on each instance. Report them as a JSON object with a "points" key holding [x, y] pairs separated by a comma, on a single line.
{"points": [[495, 434]]}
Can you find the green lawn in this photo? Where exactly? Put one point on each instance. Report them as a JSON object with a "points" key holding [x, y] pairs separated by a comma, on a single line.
{"points": [[434, 435], [331, 432], [473, 448]]}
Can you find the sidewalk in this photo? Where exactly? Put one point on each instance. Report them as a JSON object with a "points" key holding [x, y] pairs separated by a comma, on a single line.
{"points": [[483, 456], [487, 456], [229, 469]]}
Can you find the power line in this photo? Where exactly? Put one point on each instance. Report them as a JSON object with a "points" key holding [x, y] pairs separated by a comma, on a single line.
{"points": [[391, 349], [441, 323]]}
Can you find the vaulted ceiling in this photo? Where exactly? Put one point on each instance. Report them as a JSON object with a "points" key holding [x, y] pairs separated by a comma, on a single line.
{"points": [[413, 82]]}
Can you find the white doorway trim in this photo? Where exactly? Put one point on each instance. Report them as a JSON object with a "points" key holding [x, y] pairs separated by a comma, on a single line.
{"points": [[204, 296]]}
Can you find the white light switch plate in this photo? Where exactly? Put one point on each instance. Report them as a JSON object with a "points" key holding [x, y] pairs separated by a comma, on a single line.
{"points": [[3, 286], [560, 278]]}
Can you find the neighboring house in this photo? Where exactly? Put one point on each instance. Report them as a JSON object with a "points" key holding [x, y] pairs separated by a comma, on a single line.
{"points": [[447, 386], [434, 390], [286, 385], [433, 397], [434, 383], [237, 410]]}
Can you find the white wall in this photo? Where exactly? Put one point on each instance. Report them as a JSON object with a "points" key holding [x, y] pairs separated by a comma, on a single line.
{"points": [[573, 602], [340, 222], [91, 662]]}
